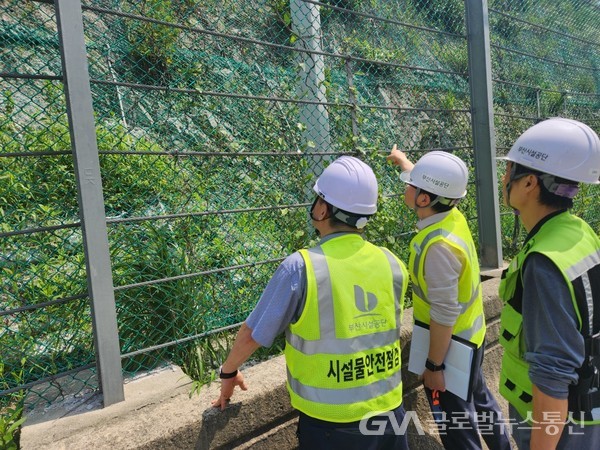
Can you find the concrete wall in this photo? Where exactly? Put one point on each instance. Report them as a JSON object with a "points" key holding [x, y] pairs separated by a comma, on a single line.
{"points": [[158, 412]]}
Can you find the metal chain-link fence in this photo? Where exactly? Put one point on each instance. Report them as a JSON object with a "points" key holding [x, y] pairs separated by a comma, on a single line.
{"points": [[213, 119], [546, 63], [46, 342]]}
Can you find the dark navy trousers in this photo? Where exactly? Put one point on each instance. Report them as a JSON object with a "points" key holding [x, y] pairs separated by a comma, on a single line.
{"points": [[460, 423], [315, 434]]}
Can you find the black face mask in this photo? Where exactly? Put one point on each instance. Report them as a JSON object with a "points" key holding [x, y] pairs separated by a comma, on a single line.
{"points": [[312, 208]]}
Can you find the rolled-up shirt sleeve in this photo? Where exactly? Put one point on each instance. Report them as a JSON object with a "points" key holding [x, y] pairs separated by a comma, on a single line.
{"points": [[281, 301], [554, 346], [443, 267]]}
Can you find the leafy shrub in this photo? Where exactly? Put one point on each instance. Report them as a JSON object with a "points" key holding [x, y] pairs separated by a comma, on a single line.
{"points": [[11, 409]]}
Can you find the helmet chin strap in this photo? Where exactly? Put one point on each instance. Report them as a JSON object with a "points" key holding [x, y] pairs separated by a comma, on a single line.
{"points": [[312, 209], [511, 179], [508, 186], [417, 193]]}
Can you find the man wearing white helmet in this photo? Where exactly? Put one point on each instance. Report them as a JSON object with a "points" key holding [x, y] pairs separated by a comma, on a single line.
{"points": [[550, 320], [447, 298], [340, 305]]}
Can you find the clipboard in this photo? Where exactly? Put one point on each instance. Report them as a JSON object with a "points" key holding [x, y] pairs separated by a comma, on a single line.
{"points": [[460, 368]]}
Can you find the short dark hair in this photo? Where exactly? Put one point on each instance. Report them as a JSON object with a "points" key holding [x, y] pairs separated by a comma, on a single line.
{"points": [[334, 220], [546, 197], [437, 207]]}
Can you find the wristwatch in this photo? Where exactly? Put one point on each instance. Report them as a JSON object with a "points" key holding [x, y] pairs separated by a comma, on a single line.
{"points": [[430, 365], [225, 376]]}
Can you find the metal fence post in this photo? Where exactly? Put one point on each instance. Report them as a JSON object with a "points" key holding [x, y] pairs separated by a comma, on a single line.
{"points": [[306, 23], [91, 202], [482, 120], [352, 99]]}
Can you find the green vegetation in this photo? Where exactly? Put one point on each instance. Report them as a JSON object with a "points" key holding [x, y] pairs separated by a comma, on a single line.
{"points": [[205, 191], [11, 409]]}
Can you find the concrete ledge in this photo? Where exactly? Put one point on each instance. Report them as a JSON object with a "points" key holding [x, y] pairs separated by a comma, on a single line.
{"points": [[158, 412]]}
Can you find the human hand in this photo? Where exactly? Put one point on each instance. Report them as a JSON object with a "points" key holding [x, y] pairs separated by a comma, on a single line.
{"points": [[399, 158], [227, 387], [434, 380]]}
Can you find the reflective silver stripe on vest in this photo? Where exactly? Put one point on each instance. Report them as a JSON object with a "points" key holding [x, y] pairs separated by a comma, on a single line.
{"points": [[581, 269], [417, 290], [447, 235], [343, 346], [398, 283], [470, 332], [324, 292], [451, 237], [347, 395], [463, 306], [587, 287], [474, 297], [328, 342], [583, 266]]}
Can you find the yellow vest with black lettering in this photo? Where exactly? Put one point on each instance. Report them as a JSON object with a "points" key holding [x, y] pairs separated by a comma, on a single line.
{"points": [[574, 248], [454, 232], [343, 353]]}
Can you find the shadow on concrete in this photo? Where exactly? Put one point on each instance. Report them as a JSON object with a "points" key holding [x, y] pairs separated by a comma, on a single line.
{"points": [[217, 426], [218, 420]]}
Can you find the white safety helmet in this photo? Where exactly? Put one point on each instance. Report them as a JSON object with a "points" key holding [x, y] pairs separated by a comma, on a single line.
{"points": [[561, 147], [349, 185], [439, 173]]}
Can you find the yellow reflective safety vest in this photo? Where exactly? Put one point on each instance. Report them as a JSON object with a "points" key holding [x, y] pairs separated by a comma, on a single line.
{"points": [[343, 353], [574, 248], [453, 231]]}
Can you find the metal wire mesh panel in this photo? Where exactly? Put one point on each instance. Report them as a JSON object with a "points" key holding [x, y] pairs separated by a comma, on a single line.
{"points": [[216, 119], [545, 59], [45, 322], [213, 120], [204, 165]]}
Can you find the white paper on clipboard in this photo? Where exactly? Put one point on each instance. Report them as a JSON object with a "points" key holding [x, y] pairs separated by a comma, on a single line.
{"points": [[459, 361]]}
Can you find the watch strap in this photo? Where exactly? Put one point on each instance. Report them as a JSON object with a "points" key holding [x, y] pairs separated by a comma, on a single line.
{"points": [[225, 375], [430, 365]]}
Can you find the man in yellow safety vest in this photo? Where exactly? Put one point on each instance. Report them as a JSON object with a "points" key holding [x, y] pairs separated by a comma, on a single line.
{"points": [[446, 293], [550, 323], [340, 305]]}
